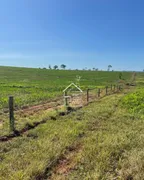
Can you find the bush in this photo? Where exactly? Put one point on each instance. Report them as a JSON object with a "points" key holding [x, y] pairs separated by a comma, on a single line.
{"points": [[134, 102]]}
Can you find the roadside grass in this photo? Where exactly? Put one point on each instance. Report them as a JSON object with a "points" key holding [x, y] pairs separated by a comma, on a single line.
{"points": [[100, 141], [28, 119], [113, 147], [39, 149], [27, 157]]}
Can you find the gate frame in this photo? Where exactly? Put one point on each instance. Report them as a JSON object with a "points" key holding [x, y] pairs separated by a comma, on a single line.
{"points": [[66, 96]]}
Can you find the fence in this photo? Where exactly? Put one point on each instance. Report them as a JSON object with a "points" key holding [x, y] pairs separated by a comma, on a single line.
{"points": [[74, 99], [90, 95]]}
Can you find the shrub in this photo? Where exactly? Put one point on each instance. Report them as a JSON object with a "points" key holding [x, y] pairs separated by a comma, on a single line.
{"points": [[134, 102]]}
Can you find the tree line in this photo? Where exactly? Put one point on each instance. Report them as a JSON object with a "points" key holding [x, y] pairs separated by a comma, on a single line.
{"points": [[63, 66], [56, 67]]}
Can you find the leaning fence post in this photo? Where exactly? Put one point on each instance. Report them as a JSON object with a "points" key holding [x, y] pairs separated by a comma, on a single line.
{"points": [[99, 92], [65, 99], [11, 114], [87, 95]]}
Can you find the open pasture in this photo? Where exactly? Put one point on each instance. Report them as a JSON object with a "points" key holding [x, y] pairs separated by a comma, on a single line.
{"points": [[101, 140], [35, 86], [36, 91]]}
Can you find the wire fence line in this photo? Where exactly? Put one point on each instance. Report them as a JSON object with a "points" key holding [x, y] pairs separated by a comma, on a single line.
{"points": [[72, 99], [79, 99]]}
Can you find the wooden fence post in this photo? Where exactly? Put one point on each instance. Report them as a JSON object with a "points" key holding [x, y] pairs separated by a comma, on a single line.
{"points": [[99, 91], [106, 90], [117, 87], [65, 99], [114, 87], [11, 114], [87, 95], [111, 87]]}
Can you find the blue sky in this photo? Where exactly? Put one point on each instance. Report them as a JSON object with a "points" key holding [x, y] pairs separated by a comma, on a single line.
{"points": [[78, 33]]}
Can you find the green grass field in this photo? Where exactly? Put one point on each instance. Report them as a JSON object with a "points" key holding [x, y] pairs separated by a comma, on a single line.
{"points": [[103, 140], [35, 86], [32, 87]]}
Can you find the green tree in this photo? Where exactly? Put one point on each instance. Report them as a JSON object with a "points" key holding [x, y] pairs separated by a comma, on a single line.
{"points": [[55, 67], [109, 67], [63, 66]]}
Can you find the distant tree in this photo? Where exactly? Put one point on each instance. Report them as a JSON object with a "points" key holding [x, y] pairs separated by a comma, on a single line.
{"points": [[50, 67], [143, 70], [55, 67], [93, 69], [96, 69], [63, 66], [109, 67], [44, 68]]}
